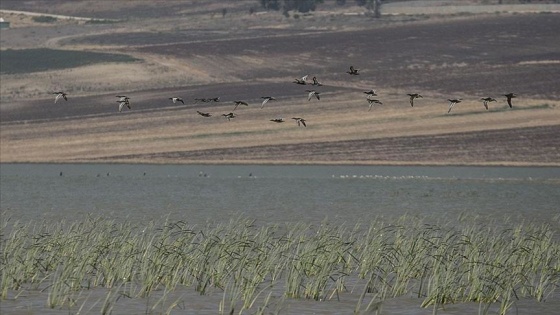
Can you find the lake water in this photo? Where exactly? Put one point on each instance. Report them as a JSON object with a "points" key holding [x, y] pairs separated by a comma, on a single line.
{"points": [[275, 194], [201, 193]]}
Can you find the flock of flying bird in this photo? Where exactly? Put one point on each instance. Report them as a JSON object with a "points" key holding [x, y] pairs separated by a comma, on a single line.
{"points": [[125, 100]]}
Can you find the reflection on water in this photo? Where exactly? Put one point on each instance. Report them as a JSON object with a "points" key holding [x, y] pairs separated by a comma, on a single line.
{"points": [[201, 193]]}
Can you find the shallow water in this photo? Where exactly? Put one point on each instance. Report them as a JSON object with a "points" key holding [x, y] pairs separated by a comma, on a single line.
{"points": [[274, 194], [200, 193]]}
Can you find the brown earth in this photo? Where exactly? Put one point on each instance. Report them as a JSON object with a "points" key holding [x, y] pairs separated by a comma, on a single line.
{"points": [[242, 57]]}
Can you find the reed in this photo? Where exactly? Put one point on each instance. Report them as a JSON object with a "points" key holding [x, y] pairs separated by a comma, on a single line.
{"points": [[436, 262]]}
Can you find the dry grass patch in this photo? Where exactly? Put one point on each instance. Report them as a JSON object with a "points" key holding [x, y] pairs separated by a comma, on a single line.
{"points": [[182, 130]]}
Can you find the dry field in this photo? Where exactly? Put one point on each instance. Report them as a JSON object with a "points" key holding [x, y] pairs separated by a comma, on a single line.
{"points": [[200, 54]]}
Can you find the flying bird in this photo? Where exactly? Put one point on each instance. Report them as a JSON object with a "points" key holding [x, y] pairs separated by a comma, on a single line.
{"points": [[59, 95], [412, 97], [353, 71], [316, 83], [123, 103], [312, 93], [302, 81], [237, 103], [266, 99], [509, 96], [452, 103], [486, 100], [300, 121], [277, 120], [176, 99], [207, 100], [373, 101], [370, 93], [229, 116], [204, 114]]}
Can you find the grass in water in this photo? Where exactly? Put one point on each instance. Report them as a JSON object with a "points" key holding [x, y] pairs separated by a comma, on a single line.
{"points": [[436, 264]]}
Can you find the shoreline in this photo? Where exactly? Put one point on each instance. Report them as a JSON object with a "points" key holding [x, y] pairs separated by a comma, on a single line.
{"points": [[285, 163]]}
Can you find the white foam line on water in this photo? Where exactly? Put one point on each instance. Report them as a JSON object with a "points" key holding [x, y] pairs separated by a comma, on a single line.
{"points": [[424, 177]]}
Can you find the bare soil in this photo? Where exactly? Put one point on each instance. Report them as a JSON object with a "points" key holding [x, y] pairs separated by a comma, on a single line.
{"points": [[200, 54]]}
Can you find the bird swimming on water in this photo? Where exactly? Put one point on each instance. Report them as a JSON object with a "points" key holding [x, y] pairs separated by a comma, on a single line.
{"points": [[277, 120], [412, 97], [509, 96], [59, 95], [266, 99], [486, 100], [452, 103]]}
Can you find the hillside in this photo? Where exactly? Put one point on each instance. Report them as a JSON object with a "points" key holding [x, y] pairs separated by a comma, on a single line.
{"points": [[201, 51]]}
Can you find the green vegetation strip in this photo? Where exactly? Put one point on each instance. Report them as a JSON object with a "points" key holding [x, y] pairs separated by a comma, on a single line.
{"points": [[435, 263], [43, 59]]}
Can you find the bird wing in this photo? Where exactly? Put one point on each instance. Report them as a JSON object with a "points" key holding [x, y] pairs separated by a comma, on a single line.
{"points": [[57, 97], [509, 102], [121, 104], [310, 95], [302, 122], [451, 104], [264, 102]]}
